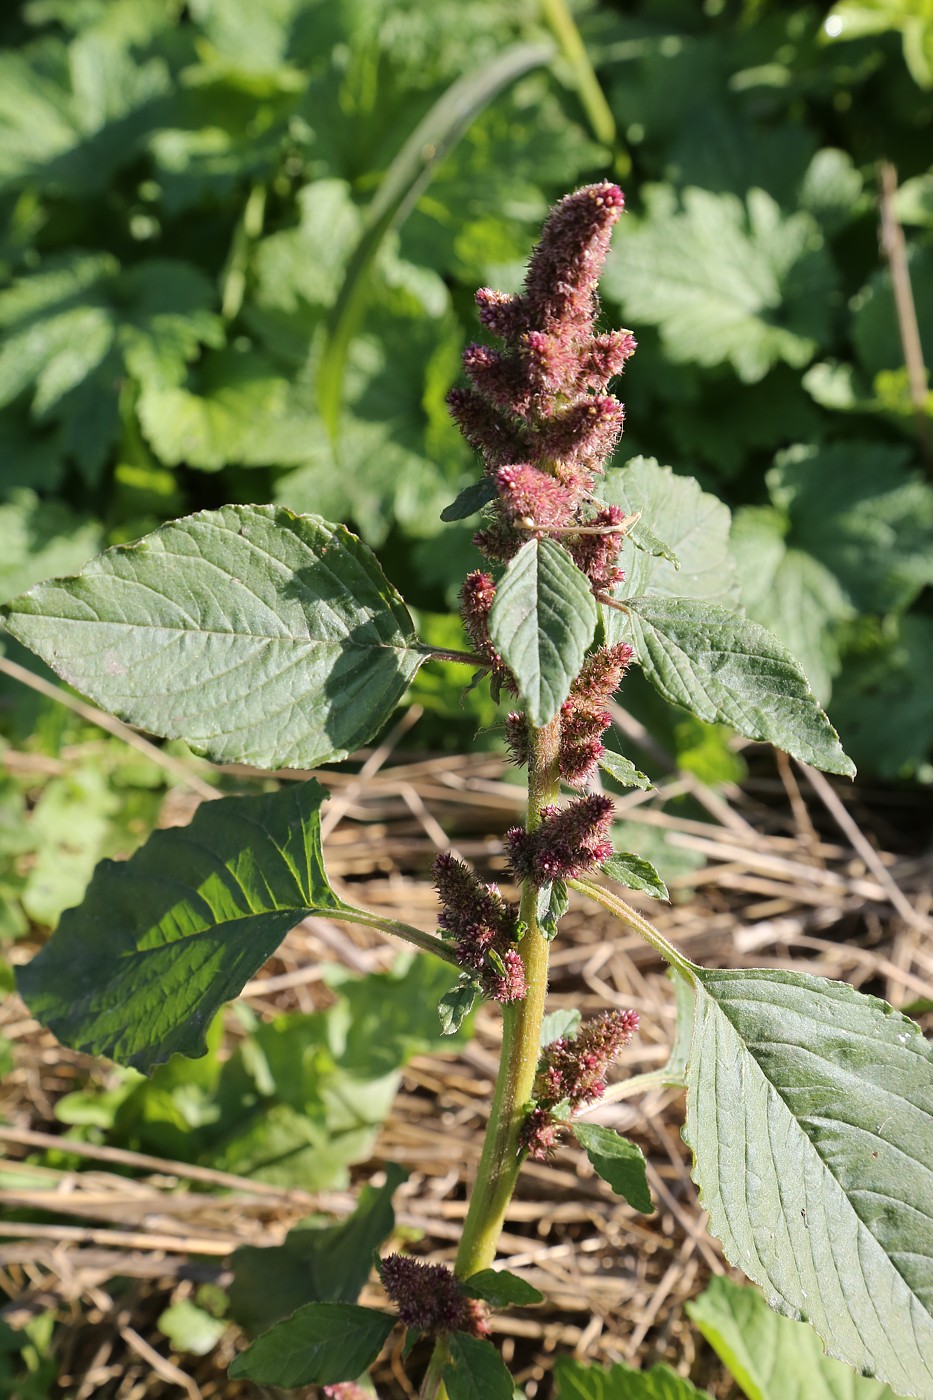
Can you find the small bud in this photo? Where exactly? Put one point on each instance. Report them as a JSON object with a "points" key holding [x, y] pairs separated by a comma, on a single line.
{"points": [[539, 1135]]}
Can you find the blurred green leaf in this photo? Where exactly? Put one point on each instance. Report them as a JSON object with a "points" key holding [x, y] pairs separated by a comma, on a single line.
{"points": [[576, 1381], [190, 1329], [41, 538], [725, 280]]}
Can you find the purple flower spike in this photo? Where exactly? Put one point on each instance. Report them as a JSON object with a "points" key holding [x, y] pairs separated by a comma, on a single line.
{"points": [[568, 842], [428, 1297]]}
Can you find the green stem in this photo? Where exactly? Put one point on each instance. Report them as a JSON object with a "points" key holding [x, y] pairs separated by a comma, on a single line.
{"points": [[432, 1387], [248, 231], [427, 942], [599, 895], [592, 98], [637, 1084], [521, 1042]]}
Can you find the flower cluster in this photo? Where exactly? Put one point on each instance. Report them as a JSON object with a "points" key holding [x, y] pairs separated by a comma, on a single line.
{"points": [[484, 927], [428, 1297], [568, 841], [537, 409], [584, 716], [572, 1074], [346, 1390]]}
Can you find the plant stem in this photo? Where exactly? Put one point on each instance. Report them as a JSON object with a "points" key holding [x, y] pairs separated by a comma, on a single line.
{"points": [[432, 1387], [599, 895], [427, 942], [591, 95], [521, 1041]]}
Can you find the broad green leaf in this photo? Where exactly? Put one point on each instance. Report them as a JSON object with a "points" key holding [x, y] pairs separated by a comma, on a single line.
{"points": [[575, 1381], [471, 499], [876, 331], [256, 635], [725, 280], [913, 203], [139, 969], [476, 1370], [883, 701], [683, 1027], [725, 669], [791, 593], [772, 1357], [316, 1263], [635, 874], [236, 407], [73, 328], [808, 1113], [623, 770], [619, 1162], [39, 538], [542, 621], [696, 529], [457, 1004], [860, 511], [501, 1289], [320, 1344]]}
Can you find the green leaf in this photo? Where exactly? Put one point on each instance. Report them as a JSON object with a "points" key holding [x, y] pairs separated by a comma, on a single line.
{"points": [[191, 1329], [316, 1263], [791, 593], [723, 668], [619, 1162], [476, 1370], [875, 323], [559, 1023], [236, 407], [860, 511], [623, 770], [770, 1356], [256, 635], [647, 541], [38, 538], [553, 903], [808, 1114], [542, 621], [725, 280], [139, 969], [471, 499], [576, 1381], [79, 323], [695, 523], [501, 1289], [683, 1027], [320, 1344], [635, 874], [883, 701], [455, 1005]]}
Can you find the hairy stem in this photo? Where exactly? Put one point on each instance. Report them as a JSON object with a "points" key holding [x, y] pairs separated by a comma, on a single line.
{"points": [[599, 895], [521, 1040], [427, 942]]}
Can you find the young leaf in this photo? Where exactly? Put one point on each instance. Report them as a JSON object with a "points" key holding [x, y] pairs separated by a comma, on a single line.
{"points": [[315, 1264], [647, 541], [696, 525], [456, 1004], [542, 621], [723, 668], [256, 635], [576, 1381], [471, 499], [623, 770], [635, 874], [501, 1289], [619, 1162], [808, 1113], [553, 903], [770, 1356], [163, 939], [476, 1370], [558, 1023], [320, 1344]]}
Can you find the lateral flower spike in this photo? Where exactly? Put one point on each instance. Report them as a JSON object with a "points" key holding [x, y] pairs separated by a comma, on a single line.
{"points": [[483, 926], [571, 1075], [569, 841], [428, 1297]]}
